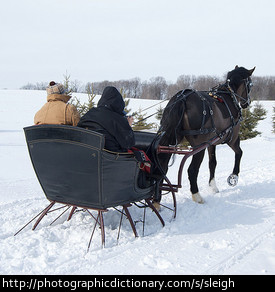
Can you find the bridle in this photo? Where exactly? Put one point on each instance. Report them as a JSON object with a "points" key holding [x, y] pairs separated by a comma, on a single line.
{"points": [[248, 85], [244, 101]]}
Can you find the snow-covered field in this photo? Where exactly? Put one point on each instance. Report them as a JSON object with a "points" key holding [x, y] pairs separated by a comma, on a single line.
{"points": [[232, 233]]}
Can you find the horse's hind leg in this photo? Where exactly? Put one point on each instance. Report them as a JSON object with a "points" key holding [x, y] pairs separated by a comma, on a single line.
{"points": [[212, 167], [193, 171]]}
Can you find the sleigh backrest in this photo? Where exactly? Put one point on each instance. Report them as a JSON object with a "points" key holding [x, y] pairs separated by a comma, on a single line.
{"points": [[73, 168]]}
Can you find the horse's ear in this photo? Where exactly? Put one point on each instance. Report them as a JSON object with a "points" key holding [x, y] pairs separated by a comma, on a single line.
{"points": [[251, 71], [236, 67]]}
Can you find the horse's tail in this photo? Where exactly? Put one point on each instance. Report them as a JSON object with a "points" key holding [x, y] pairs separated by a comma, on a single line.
{"points": [[170, 126], [171, 123]]}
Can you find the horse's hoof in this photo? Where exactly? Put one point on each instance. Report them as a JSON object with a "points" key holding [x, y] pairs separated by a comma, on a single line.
{"points": [[213, 186], [197, 198], [232, 180]]}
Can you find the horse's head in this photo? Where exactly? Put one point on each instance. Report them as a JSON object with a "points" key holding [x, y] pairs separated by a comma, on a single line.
{"points": [[240, 81]]}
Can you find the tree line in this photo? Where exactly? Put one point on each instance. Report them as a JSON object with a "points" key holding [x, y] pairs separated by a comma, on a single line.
{"points": [[159, 88]]}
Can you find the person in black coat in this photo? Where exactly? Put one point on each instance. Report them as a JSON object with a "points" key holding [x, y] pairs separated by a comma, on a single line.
{"points": [[109, 119]]}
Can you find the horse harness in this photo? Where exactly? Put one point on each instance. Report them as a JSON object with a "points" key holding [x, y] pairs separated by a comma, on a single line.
{"points": [[217, 94]]}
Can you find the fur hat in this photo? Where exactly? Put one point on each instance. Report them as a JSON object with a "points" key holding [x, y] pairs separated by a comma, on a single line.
{"points": [[55, 88]]}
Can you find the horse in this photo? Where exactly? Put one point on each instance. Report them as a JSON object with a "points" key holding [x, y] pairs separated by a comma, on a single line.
{"points": [[200, 116]]}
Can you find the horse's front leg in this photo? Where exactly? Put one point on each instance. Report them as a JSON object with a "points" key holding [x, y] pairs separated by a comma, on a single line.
{"points": [[212, 167], [193, 171], [233, 178]]}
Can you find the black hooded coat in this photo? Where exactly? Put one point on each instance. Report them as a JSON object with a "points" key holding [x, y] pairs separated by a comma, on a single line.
{"points": [[108, 118]]}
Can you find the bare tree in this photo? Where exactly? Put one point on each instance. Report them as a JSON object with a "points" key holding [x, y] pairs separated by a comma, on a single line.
{"points": [[159, 88]]}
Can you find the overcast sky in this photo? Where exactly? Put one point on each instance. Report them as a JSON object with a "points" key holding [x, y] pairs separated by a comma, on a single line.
{"points": [[95, 40]]}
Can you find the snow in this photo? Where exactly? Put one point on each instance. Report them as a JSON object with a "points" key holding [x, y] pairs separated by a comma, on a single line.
{"points": [[232, 233]]}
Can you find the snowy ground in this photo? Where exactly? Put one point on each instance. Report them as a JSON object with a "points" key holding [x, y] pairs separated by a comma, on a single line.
{"points": [[232, 233]]}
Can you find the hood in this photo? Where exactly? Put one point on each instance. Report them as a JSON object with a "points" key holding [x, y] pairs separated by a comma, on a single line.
{"points": [[60, 97], [112, 99]]}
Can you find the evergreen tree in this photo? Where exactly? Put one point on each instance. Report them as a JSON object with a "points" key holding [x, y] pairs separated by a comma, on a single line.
{"points": [[83, 108], [159, 113], [250, 121], [140, 122], [66, 84], [259, 112], [123, 94]]}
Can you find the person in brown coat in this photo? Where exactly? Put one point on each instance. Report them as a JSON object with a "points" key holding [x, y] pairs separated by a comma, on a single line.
{"points": [[57, 110]]}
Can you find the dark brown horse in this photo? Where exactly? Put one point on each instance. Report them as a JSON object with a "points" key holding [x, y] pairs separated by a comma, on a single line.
{"points": [[200, 116]]}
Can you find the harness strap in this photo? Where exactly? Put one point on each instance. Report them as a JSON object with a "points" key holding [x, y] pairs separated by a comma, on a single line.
{"points": [[199, 132], [205, 102], [202, 130], [229, 130]]}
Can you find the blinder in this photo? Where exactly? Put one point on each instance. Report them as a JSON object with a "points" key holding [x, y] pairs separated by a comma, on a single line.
{"points": [[245, 102]]}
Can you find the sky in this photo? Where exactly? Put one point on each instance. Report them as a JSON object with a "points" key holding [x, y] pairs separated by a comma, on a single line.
{"points": [[96, 40]]}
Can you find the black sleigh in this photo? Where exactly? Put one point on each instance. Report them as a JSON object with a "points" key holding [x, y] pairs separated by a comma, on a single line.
{"points": [[74, 170]]}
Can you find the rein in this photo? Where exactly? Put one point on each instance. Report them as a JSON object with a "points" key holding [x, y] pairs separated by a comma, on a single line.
{"points": [[147, 109]]}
